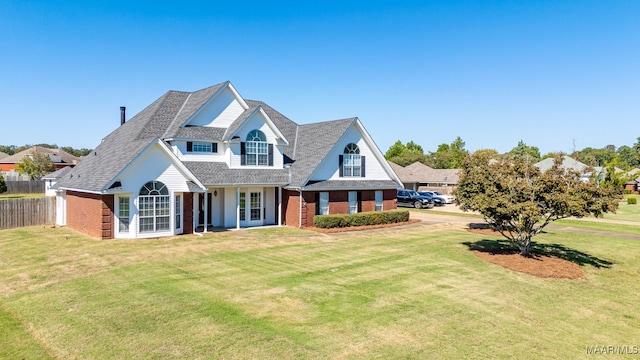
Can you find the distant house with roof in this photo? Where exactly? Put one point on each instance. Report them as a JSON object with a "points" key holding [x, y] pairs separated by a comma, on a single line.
{"points": [[418, 176], [210, 158], [3, 155], [59, 157], [634, 183], [587, 172]]}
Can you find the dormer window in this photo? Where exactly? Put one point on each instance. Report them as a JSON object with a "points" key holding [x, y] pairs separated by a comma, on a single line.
{"points": [[202, 147], [351, 162], [256, 151]]}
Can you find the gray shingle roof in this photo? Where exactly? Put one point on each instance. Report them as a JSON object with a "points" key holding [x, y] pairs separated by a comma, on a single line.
{"points": [[210, 173], [313, 143], [165, 119]]}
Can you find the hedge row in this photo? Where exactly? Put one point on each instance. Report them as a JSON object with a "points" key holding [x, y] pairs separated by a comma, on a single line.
{"points": [[360, 219], [632, 200]]}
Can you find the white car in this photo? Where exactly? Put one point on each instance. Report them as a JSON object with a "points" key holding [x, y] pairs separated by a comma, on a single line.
{"points": [[448, 199]]}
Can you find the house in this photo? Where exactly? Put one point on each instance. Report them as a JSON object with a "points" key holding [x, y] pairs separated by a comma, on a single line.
{"points": [[418, 176], [191, 161], [59, 157], [633, 184], [3, 155], [586, 171], [51, 179]]}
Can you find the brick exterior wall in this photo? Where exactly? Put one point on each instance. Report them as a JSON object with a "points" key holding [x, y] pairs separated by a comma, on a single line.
{"points": [[338, 204], [91, 214]]}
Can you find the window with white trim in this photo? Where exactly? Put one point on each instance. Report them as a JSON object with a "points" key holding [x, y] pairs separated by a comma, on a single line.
{"points": [[353, 202], [123, 214], [257, 149], [379, 199], [256, 205], [243, 204], [351, 165], [324, 203], [154, 207], [178, 211], [201, 147]]}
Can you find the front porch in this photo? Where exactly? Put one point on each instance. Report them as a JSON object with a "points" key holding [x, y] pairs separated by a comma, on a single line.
{"points": [[224, 208]]}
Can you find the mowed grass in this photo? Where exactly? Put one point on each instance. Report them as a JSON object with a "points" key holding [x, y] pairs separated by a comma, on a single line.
{"points": [[412, 292]]}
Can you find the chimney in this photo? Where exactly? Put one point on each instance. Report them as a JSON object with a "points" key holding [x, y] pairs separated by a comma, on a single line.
{"points": [[123, 117]]}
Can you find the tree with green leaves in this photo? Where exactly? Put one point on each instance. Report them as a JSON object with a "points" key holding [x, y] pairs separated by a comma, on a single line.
{"points": [[404, 155], [36, 165], [3, 184], [448, 156], [518, 200], [525, 152]]}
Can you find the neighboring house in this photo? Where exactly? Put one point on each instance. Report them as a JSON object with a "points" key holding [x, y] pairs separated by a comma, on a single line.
{"points": [[59, 157], [586, 171], [418, 176], [3, 155], [633, 185], [51, 179], [195, 160]]}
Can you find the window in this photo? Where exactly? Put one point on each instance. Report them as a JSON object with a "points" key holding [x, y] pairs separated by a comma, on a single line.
{"points": [[353, 202], [202, 147], [378, 200], [256, 149], [178, 211], [256, 205], [351, 162], [123, 214], [154, 207], [324, 203], [243, 204]]}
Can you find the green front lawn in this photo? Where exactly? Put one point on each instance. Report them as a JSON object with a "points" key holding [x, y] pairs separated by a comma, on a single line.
{"points": [[415, 292]]}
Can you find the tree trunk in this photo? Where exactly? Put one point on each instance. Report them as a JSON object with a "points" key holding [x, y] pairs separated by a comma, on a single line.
{"points": [[525, 245]]}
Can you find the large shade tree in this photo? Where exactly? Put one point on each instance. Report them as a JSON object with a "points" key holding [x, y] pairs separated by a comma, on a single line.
{"points": [[518, 200]]}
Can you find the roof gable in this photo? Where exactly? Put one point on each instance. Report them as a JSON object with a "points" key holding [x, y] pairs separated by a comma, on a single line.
{"points": [[220, 110]]}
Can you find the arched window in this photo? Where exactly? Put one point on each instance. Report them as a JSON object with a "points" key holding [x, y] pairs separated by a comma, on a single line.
{"points": [[257, 150], [352, 163], [155, 207]]}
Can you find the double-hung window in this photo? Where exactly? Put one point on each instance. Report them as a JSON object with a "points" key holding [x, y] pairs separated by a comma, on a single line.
{"points": [[123, 214], [351, 162]]}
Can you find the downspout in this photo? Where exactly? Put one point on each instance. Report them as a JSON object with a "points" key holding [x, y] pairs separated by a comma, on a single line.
{"points": [[300, 209]]}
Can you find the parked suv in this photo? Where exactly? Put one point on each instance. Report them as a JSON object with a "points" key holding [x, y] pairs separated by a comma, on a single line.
{"points": [[413, 199]]}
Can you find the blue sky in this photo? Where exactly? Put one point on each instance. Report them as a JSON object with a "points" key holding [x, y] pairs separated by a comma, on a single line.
{"points": [[559, 75]]}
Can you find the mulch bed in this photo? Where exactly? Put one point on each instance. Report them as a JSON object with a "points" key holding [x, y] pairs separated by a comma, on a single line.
{"points": [[538, 265]]}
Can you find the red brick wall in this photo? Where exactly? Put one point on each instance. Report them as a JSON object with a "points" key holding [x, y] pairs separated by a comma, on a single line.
{"points": [[91, 214], [187, 209], [338, 204]]}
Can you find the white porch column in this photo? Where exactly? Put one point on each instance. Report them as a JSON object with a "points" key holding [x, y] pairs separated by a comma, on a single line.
{"points": [[279, 206], [206, 207], [237, 208]]}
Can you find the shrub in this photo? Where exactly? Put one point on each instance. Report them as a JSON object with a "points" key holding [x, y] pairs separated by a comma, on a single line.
{"points": [[360, 219], [626, 191], [632, 200]]}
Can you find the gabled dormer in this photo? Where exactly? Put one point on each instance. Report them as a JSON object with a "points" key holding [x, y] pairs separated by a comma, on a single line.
{"points": [[255, 141]]}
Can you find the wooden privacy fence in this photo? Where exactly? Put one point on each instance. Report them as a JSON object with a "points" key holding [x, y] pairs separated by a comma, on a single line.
{"points": [[25, 187], [27, 212]]}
